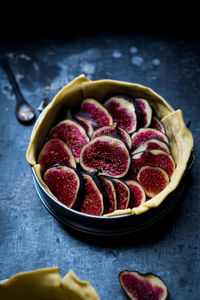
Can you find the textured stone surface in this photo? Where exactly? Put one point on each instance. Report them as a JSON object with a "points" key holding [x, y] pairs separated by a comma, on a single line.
{"points": [[30, 237]]}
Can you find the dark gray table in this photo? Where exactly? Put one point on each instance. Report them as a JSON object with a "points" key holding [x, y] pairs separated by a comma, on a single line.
{"points": [[30, 237]]}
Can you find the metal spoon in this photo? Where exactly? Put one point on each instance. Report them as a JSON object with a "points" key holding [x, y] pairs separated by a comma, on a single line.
{"points": [[24, 112]]}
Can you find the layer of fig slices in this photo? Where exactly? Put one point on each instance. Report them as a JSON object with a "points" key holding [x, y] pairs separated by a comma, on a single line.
{"points": [[152, 144], [55, 151], [65, 183], [93, 197], [111, 196], [98, 112], [123, 193], [156, 124], [146, 112], [72, 134], [137, 193], [107, 152], [138, 286]]}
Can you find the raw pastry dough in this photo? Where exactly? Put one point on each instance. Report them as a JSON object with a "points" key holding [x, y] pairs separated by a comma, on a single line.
{"points": [[181, 140]]}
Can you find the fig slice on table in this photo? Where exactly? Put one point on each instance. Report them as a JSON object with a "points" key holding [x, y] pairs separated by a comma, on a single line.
{"points": [[146, 111], [65, 183], [137, 193], [123, 193], [98, 112], [111, 196], [107, 152], [123, 112], [113, 130], [138, 286], [153, 180], [156, 124], [152, 158], [93, 198], [152, 144], [55, 151], [144, 134], [72, 134]]}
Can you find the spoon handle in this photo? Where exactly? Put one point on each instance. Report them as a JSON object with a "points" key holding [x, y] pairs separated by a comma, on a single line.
{"points": [[12, 80]]}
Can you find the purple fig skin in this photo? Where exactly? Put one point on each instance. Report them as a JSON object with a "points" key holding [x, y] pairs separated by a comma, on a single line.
{"points": [[123, 193], [137, 193], [146, 112], [139, 286], [111, 195], [156, 124]]}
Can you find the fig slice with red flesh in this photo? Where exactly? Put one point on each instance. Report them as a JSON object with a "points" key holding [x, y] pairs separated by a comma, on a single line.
{"points": [[138, 286], [144, 134], [55, 151], [72, 134], [93, 198], [152, 144], [98, 112], [153, 180], [107, 152], [152, 158], [123, 193], [87, 117], [113, 130], [85, 124], [65, 183], [110, 194], [137, 193], [146, 111], [123, 112], [156, 124]]}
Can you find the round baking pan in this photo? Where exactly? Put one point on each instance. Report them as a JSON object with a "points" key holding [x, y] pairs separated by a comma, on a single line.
{"points": [[115, 225]]}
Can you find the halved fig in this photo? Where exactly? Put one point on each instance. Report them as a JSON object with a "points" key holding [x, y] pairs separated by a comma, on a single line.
{"points": [[113, 130], [156, 124], [72, 134], [152, 158], [123, 112], [152, 144], [107, 152], [98, 112], [153, 180], [110, 194], [93, 199], [55, 151], [85, 124], [137, 195], [146, 111], [138, 286], [144, 134], [123, 193], [65, 183]]}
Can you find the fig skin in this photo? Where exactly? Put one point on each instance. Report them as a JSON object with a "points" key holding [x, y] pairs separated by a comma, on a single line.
{"points": [[146, 112], [65, 183], [156, 124], [153, 180], [152, 158], [85, 124], [144, 134], [93, 197], [152, 144], [72, 134], [98, 112], [137, 193], [139, 286], [86, 117], [123, 193], [55, 151], [111, 195], [107, 152], [123, 112]]}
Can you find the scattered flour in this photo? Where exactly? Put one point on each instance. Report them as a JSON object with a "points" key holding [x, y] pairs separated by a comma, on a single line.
{"points": [[137, 60], [116, 54], [133, 50]]}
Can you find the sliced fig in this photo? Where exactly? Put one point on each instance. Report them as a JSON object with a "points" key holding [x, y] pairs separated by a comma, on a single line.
{"points": [[152, 144], [87, 117], [65, 184], [156, 124], [107, 152], [146, 111], [123, 112], [113, 130], [144, 134], [85, 124], [153, 180], [72, 134], [123, 193], [110, 194], [137, 196], [138, 286], [93, 200], [98, 112], [55, 151], [152, 158]]}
